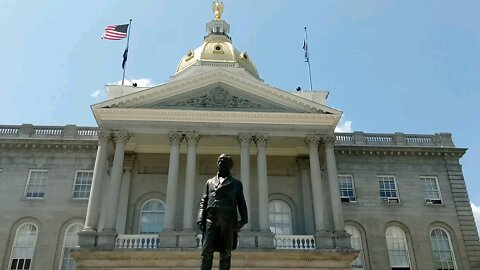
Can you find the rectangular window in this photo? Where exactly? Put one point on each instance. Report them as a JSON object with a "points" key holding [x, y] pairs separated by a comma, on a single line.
{"points": [[347, 188], [388, 189], [36, 184], [431, 190], [82, 184]]}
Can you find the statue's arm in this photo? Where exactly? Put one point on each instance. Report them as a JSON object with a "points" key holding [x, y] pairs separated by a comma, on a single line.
{"points": [[201, 218], [242, 208]]}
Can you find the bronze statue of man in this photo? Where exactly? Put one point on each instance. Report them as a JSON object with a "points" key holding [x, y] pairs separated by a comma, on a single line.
{"points": [[221, 203]]}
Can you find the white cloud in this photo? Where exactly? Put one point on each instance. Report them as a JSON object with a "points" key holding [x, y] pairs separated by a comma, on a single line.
{"points": [[344, 126], [144, 82], [95, 94], [476, 214]]}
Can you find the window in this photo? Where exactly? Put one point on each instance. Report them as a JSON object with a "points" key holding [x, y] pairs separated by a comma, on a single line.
{"points": [[443, 256], [70, 240], [388, 189], [36, 184], [431, 190], [347, 189], [356, 241], [23, 247], [152, 217], [280, 216], [82, 184], [397, 248]]}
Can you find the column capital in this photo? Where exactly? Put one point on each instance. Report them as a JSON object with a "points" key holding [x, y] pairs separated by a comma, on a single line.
{"points": [[192, 138], [104, 136], [244, 138], [175, 137], [303, 163], [312, 140], [129, 160], [261, 140], [121, 136], [329, 140]]}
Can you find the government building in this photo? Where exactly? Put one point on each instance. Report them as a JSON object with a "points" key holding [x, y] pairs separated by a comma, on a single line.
{"points": [[125, 194]]}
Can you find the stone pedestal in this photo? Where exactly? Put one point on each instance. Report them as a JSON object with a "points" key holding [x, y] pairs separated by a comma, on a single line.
{"points": [[87, 239], [186, 239], [168, 239], [342, 240], [265, 240], [246, 239], [323, 240], [106, 239], [186, 259]]}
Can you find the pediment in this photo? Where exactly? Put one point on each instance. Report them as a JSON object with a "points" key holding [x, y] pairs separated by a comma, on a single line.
{"points": [[218, 90]]}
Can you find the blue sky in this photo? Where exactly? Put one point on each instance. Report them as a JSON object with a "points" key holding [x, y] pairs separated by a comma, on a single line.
{"points": [[390, 66]]}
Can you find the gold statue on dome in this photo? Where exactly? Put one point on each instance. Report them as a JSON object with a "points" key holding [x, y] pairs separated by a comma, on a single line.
{"points": [[217, 9]]}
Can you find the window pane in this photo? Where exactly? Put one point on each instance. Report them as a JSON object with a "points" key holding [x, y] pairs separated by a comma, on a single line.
{"points": [[280, 216], [36, 184], [152, 217], [397, 247], [346, 187], [443, 256], [83, 184], [23, 247], [356, 241]]}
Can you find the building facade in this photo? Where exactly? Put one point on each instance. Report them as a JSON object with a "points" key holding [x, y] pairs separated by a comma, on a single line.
{"points": [[124, 195]]}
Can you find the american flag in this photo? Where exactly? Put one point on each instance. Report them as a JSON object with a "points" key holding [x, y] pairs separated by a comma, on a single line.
{"points": [[115, 32]]}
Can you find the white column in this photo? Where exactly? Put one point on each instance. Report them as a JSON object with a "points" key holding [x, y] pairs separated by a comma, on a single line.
{"points": [[172, 182], [263, 217], [308, 217], [125, 192], [244, 140], [192, 140], [93, 208], [113, 193], [333, 183], [318, 190]]}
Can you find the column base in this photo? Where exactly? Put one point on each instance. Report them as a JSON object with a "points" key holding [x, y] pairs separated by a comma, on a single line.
{"points": [[87, 238], [187, 239], [246, 239], [265, 239], [323, 240], [169, 239], [106, 239], [342, 240]]}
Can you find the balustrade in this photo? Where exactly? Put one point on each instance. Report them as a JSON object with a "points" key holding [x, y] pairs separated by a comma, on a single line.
{"points": [[137, 241], [294, 242]]}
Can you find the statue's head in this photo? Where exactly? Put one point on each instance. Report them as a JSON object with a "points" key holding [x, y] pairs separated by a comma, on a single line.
{"points": [[224, 164]]}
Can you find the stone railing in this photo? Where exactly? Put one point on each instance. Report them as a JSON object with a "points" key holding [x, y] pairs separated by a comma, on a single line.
{"points": [[294, 242], [395, 139], [137, 241], [54, 132]]}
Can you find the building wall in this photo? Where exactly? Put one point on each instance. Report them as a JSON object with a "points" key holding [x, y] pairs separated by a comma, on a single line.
{"points": [[53, 213], [149, 179]]}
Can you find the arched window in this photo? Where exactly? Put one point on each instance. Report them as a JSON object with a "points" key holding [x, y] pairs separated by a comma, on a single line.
{"points": [[356, 241], [151, 217], [70, 240], [280, 216], [23, 247], [397, 248], [443, 256]]}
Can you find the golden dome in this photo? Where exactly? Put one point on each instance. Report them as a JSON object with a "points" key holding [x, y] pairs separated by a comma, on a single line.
{"points": [[217, 51]]}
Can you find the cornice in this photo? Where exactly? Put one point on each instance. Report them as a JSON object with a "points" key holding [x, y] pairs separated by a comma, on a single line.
{"points": [[49, 145], [230, 117], [400, 151], [217, 76]]}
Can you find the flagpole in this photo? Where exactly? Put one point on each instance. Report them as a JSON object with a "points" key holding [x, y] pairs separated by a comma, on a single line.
{"points": [[126, 50], [307, 59]]}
